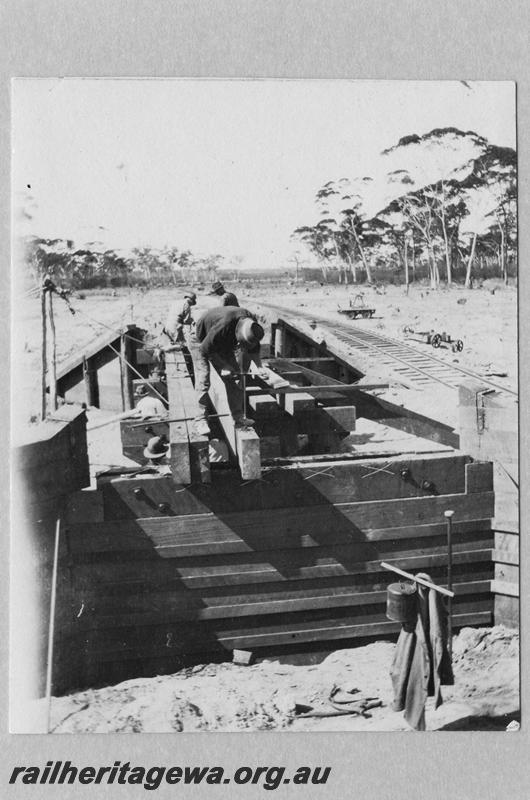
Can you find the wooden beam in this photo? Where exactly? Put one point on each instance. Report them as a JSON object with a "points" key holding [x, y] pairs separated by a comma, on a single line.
{"points": [[105, 645], [479, 476], [90, 376], [127, 360], [343, 418], [344, 523], [188, 450], [145, 574], [263, 405], [298, 401], [333, 389], [243, 444], [113, 537], [248, 453], [137, 609]]}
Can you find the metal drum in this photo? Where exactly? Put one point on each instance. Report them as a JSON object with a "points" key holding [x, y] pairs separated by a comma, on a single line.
{"points": [[401, 599]]}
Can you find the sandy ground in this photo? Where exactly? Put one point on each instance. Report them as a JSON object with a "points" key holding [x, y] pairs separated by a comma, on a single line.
{"points": [[270, 695], [273, 695]]}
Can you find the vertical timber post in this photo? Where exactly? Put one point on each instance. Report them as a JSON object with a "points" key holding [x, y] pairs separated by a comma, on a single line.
{"points": [[279, 341], [126, 399], [128, 357], [274, 327], [43, 352], [449, 518], [90, 375], [53, 380]]}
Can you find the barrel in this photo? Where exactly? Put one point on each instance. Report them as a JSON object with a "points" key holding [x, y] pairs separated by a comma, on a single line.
{"points": [[401, 602]]}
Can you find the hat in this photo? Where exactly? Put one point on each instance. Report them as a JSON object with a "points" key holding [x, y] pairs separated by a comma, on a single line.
{"points": [[217, 287], [157, 447], [249, 332], [191, 295], [142, 390]]}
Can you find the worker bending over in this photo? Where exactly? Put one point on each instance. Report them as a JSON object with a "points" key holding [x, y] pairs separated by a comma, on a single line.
{"points": [[229, 338], [225, 298]]}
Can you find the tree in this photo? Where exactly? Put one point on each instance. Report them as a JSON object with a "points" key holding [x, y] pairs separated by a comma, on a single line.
{"points": [[433, 166]]}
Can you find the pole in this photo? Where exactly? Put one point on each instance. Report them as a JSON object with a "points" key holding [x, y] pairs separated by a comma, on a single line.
{"points": [[53, 381], [51, 626], [414, 578], [449, 517], [43, 352]]}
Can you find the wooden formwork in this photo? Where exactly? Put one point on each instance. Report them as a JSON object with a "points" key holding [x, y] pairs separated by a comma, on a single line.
{"points": [[169, 573], [273, 551]]}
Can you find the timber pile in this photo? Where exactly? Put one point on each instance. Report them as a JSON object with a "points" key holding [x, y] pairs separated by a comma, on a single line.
{"points": [[171, 570]]}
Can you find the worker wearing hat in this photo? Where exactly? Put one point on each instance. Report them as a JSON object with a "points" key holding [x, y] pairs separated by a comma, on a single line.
{"points": [[226, 298], [180, 320], [147, 405], [229, 338], [155, 451], [178, 332]]}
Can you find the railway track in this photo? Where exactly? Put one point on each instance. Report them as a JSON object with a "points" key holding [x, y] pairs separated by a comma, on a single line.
{"points": [[417, 368]]}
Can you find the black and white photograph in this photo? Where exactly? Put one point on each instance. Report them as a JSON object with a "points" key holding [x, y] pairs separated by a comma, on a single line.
{"points": [[264, 404]]}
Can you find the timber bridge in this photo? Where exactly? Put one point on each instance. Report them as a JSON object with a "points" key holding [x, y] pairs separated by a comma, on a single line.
{"points": [[277, 550]]}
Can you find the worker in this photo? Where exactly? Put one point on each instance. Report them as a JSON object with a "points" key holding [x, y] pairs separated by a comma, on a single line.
{"points": [[179, 328], [229, 338], [225, 298], [180, 321], [147, 405], [155, 451]]}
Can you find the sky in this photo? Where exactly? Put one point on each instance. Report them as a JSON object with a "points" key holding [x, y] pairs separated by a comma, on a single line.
{"points": [[217, 166]]}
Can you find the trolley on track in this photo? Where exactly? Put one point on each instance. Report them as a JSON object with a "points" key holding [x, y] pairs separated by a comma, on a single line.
{"points": [[435, 339], [357, 308]]}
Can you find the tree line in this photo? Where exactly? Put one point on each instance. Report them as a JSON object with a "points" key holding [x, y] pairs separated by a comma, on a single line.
{"points": [[93, 267], [444, 202]]}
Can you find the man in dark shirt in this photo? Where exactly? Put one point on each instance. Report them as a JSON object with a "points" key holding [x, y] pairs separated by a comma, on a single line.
{"points": [[229, 338], [226, 298]]}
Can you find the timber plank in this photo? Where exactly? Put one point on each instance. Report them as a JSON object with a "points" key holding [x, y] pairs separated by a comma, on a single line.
{"points": [[136, 643], [188, 451], [86, 538], [145, 582], [153, 572], [343, 517], [156, 608], [300, 485]]}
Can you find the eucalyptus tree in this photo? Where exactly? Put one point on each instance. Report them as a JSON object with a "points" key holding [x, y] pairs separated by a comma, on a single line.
{"points": [[432, 168]]}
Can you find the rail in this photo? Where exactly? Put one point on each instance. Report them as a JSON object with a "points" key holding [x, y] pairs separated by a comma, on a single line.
{"points": [[417, 367]]}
